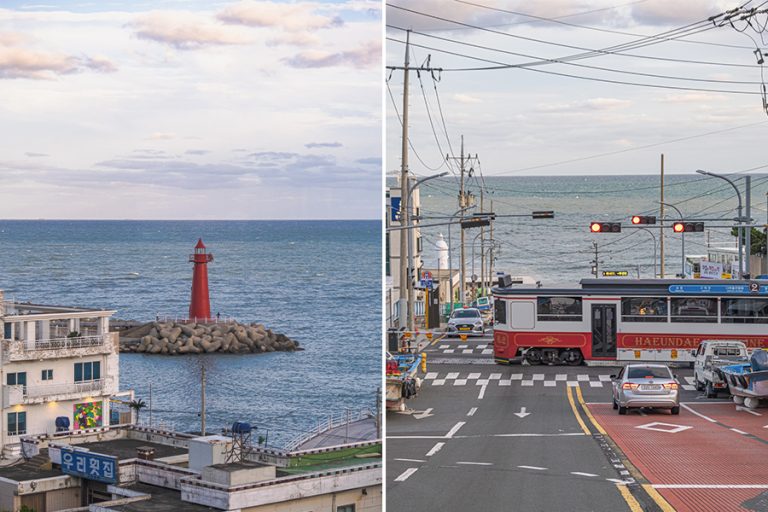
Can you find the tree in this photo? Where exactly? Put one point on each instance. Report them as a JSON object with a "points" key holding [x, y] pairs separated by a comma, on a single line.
{"points": [[137, 405], [758, 240]]}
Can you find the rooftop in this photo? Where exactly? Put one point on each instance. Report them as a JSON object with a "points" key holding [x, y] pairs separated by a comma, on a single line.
{"points": [[163, 500], [126, 448]]}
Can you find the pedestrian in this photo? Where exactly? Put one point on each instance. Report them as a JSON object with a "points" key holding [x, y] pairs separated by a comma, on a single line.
{"points": [[218, 316]]}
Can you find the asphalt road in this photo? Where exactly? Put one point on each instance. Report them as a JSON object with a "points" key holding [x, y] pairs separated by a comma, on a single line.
{"points": [[482, 436]]}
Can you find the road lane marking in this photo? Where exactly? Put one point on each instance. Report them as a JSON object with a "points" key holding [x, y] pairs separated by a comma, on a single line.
{"points": [[439, 338], [561, 376], [482, 391], [405, 474], [430, 376], [739, 431], [452, 375], [595, 384], [438, 382], [472, 411], [476, 463], [527, 383], [535, 468], [710, 486], [634, 506], [582, 378], [410, 460], [588, 413], [435, 449], [495, 376], [604, 378], [539, 435], [698, 413], [516, 376], [473, 376], [549, 383], [750, 411], [455, 429], [576, 411], [658, 498], [537, 376], [460, 382], [579, 473]]}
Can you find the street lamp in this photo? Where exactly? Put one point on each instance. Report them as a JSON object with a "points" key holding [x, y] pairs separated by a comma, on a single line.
{"points": [[739, 220], [409, 234], [654, 249], [682, 236]]}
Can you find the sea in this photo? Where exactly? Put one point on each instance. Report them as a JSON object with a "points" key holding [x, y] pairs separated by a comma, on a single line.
{"points": [[560, 251], [318, 282]]}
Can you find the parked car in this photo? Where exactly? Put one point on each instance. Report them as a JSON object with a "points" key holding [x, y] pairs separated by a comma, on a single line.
{"points": [[466, 321], [645, 385], [710, 356]]}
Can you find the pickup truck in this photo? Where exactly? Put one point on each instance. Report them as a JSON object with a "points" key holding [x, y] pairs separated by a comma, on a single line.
{"points": [[710, 356]]}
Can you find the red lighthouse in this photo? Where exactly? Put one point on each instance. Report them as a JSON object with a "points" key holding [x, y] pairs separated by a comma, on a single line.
{"points": [[200, 306]]}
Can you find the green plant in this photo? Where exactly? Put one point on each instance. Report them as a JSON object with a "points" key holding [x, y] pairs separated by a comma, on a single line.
{"points": [[73, 334], [137, 405]]}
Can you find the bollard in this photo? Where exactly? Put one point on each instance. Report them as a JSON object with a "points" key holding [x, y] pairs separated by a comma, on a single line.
{"points": [[424, 362], [429, 336], [463, 337]]}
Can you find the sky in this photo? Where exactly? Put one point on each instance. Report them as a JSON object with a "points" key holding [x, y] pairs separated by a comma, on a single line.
{"points": [[184, 109], [534, 121]]}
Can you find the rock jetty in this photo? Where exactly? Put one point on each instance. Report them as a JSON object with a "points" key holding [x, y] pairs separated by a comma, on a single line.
{"points": [[174, 338]]}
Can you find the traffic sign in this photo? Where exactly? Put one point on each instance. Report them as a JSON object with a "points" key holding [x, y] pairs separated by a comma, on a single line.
{"points": [[615, 273]]}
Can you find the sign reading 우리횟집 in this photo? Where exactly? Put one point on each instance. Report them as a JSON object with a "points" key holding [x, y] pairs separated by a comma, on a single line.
{"points": [[88, 465]]}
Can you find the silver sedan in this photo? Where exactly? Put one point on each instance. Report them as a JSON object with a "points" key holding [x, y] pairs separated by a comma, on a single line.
{"points": [[645, 385]]}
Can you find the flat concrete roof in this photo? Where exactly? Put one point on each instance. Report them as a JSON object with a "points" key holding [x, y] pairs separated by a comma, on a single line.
{"points": [[126, 448], [231, 467], [163, 500], [34, 469]]}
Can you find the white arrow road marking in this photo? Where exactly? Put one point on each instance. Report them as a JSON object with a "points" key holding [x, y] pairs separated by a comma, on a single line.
{"points": [[750, 411], [522, 413], [435, 449], [455, 429], [405, 474], [411, 460], [472, 411], [423, 414], [482, 391], [533, 467]]}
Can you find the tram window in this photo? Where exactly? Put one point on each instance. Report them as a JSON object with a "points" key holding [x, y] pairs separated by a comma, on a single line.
{"points": [[500, 311], [559, 309], [694, 310], [644, 309], [744, 311]]}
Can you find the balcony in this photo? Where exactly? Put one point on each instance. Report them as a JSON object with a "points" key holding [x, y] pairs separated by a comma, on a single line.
{"points": [[20, 395], [81, 346]]}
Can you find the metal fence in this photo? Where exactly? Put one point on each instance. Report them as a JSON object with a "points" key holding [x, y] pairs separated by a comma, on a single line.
{"points": [[329, 423]]}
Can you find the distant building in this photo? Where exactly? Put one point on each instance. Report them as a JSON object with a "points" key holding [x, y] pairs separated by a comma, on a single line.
{"points": [[59, 369]]}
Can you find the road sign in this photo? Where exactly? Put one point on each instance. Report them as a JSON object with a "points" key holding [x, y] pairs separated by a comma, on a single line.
{"points": [[89, 465], [720, 289], [395, 203], [615, 273]]}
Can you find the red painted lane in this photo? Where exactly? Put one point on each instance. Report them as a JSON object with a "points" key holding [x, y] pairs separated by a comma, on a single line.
{"points": [[741, 420], [706, 453]]}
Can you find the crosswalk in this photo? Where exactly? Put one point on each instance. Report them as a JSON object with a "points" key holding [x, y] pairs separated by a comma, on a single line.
{"points": [[465, 348], [529, 380]]}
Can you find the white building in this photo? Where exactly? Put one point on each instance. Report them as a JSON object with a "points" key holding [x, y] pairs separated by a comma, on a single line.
{"points": [[56, 362], [392, 255]]}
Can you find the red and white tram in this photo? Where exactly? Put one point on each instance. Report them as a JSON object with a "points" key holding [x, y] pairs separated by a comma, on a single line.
{"points": [[626, 319]]}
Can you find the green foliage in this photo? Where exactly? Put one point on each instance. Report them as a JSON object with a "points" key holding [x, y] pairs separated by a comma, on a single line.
{"points": [[137, 405], [73, 334], [758, 240]]}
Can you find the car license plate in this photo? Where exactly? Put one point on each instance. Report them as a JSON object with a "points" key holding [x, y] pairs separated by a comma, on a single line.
{"points": [[650, 387], [464, 328]]}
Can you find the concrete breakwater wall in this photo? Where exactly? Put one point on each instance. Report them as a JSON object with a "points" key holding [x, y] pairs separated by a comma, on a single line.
{"points": [[198, 338]]}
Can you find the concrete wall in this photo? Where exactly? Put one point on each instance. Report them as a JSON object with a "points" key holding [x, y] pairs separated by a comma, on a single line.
{"points": [[8, 488], [371, 502]]}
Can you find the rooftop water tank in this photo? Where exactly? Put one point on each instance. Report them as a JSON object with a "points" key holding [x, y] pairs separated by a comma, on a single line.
{"points": [[241, 427]]}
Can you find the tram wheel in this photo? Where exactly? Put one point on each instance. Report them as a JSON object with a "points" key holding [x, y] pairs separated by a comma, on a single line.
{"points": [[573, 357], [533, 356]]}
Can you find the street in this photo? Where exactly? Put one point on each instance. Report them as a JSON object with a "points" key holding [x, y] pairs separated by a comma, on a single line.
{"points": [[481, 436]]}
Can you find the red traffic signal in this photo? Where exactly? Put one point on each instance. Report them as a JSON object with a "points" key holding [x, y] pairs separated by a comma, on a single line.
{"points": [[643, 219], [688, 227], [605, 227]]}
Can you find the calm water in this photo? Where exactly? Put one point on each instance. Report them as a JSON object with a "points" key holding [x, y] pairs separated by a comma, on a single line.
{"points": [[316, 281], [559, 250]]}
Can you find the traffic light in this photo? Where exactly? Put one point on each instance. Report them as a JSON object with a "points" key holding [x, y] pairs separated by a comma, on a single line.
{"points": [[644, 219], [605, 227], [688, 227], [547, 214], [475, 222]]}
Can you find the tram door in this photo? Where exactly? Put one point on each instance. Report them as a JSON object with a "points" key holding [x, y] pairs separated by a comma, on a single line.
{"points": [[603, 330]]}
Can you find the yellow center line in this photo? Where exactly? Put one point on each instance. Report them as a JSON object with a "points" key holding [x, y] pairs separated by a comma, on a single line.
{"points": [[634, 506], [658, 498], [438, 339], [576, 411], [586, 411]]}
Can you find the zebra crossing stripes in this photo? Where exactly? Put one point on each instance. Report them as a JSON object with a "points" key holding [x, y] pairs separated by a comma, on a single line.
{"points": [[479, 379], [465, 349]]}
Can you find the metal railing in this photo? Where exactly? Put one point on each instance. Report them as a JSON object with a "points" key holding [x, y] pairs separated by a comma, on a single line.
{"points": [[329, 423], [46, 390], [221, 319], [65, 343]]}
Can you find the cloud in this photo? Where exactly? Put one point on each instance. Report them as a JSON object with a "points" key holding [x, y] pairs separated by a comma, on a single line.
{"points": [[196, 152], [21, 62], [161, 136], [36, 155], [323, 145], [592, 104], [374, 160], [301, 17], [367, 55], [692, 97], [466, 98], [186, 31], [679, 12]]}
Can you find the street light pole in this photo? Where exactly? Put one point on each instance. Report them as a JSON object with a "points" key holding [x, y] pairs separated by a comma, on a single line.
{"points": [[654, 249], [409, 233], [682, 269], [450, 259], [739, 220]]}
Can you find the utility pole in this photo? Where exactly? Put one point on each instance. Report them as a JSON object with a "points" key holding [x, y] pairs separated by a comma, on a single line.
{"points": [[378, 413], [202, 400], [482, 246], [765, 239], [462, 204], [596, 261], [661, 219], [405, 278], [490, 252], [150, 405], [748, 233]]}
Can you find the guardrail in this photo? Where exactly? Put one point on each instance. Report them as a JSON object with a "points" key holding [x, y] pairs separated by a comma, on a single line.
{"points": [[64, 343], [329, 423], [48, 390]]}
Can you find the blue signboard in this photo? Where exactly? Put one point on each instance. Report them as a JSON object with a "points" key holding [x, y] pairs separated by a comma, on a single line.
{"points": [[91, 466], [720, 289], [395, 203]]}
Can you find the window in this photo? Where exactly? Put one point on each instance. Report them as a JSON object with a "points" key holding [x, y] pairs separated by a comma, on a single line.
{"points": [[500, 311], [17, 423], [47, 375], [559, 309], [16, 379], [85, 372], [644, 309], [649, 372], [346, 508], [694, 310], [744, 311]]}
